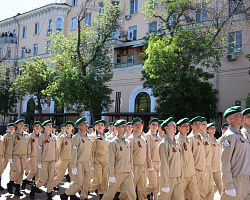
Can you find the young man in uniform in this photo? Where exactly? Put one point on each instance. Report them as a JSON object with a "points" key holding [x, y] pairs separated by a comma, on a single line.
{"points": [[46, 160], [171, 165], [235, 158], [188, 169], [129, 129]]}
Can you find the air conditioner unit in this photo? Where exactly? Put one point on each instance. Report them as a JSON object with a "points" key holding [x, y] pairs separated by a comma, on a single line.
{"points": [[127, 17], [27, 50], [231, 57]]}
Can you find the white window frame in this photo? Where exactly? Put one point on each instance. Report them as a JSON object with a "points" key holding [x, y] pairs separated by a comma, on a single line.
{"points": [[88, 19], [59, 24], [49, 27], [74, 2], [37, 28], [132, 33], [133, 6], [24, 32]]}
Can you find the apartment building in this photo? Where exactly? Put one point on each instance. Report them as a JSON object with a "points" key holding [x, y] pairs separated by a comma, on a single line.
{"points": [[26, 35]]}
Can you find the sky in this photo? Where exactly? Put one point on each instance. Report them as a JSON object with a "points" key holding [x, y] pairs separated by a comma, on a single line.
{"points": [[10, 8]]}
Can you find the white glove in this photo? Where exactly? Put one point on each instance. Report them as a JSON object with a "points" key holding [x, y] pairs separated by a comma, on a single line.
{"points": [[28, 159], [165, 189], [10, 161], [74, 171], [151, 169], [231, 192], [39, 166], [112, 179]]}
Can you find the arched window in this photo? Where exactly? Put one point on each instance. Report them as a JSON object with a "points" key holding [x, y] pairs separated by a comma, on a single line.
{"points": [[59, 24], [49, 28], [142, 102]]}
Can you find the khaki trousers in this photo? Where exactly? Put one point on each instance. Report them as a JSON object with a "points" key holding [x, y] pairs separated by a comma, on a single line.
{"points": [[201, 183], [242, 186], [176, 190], [32, 168], [125, 182], [1, 165], [153, 179], [140, 181], [190, 188], [18, 166], [46, 175], [81, 181], [209, 184], [217, 181], [61, 168]]}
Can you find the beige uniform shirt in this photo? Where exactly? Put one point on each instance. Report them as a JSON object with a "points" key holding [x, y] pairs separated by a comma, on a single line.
{"points": [[34, 144], [207, 144], [216, 153], [235, 157], [64, 146], [188, 168], [20, 144], [198, 150], [100, 148], [46, 148], [171, 165], [7, 140], [139, 149], [81, 149], [120, 156], [1, 145], [153, 142], [246, 131]]}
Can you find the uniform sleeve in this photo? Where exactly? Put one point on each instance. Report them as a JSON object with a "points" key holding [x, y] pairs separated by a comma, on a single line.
{"points": [[74, 151], [11, 145], [29, 147], [164, 168], [149, 156], [111, 158], [93, 152], [228, 144], [40, 149]]}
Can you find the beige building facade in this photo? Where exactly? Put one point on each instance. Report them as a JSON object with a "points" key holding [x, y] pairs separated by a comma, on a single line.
{"points": [[26, 35]]}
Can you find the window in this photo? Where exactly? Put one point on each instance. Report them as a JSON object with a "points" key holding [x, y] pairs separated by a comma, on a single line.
{"points": [[235, 42], [131, 58], [118, 59], [142, 102], [23, 52], [74, 23], [133, 6], [132, 33], [74, 2], [59, 24], [49, 28], [36, 28], [236, 7], [48, 46], [24, 32], [88, 19], [35, 49], [9, 52], [100, 8], [201, 14], [152, 27]]}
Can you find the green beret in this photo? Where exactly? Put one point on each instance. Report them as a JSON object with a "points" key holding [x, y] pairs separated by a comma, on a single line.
{"points": [[18, 121], [11, 124], [231, 110], [182, 121], [90, 126], [203, 119], [224, 124], [55, 126], [196, 119], [119, 122], [36, 122], [129, 123], [211, 124], [137, 119], [111, 123], [62, 125], [166, 122], [246, 111], [46, 122], [100, 121], [160, 121], [26, 125], [80, 120], [154, 120], [70, 122]]}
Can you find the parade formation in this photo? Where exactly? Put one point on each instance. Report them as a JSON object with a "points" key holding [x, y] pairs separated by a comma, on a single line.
{"points": [[173, 160]]}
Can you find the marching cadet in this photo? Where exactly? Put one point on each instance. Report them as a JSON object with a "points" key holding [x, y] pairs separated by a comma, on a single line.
{"points": [[198, 150], [161, 132], [216, 151], [112, 132], [235, 158], [246, 123], [46, 151], [209, 174], [120, 165], [188, 169], [19, 153], [129, 129], [81, 162], [1, 160], [100, 156], [153, 158], [33, 140], [64, 154], [138, 144], [171, 165]]}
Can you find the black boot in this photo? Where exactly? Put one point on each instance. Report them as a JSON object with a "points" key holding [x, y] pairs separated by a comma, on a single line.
{"points": [[1, 187], [24, 183], [117, 196], [9, 187], [38, 190], [56, 188], [33, 192], [64, 196], [100, 196], [17, 191], [67, 177], [49, 195], [74, 197]]}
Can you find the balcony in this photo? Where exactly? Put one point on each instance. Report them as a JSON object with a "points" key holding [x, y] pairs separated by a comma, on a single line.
{"points": [[128, 64], [8, 40]]}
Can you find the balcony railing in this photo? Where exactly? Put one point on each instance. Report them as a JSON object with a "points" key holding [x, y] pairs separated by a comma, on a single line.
{"points": [[8, 40], [128, 64]]}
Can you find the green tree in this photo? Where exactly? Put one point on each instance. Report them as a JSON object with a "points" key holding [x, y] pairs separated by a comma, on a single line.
{"points": [[8, 98], [35, 76]]}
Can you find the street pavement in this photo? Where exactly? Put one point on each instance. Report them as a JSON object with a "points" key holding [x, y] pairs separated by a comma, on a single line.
{"points": [[43, 196]]}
